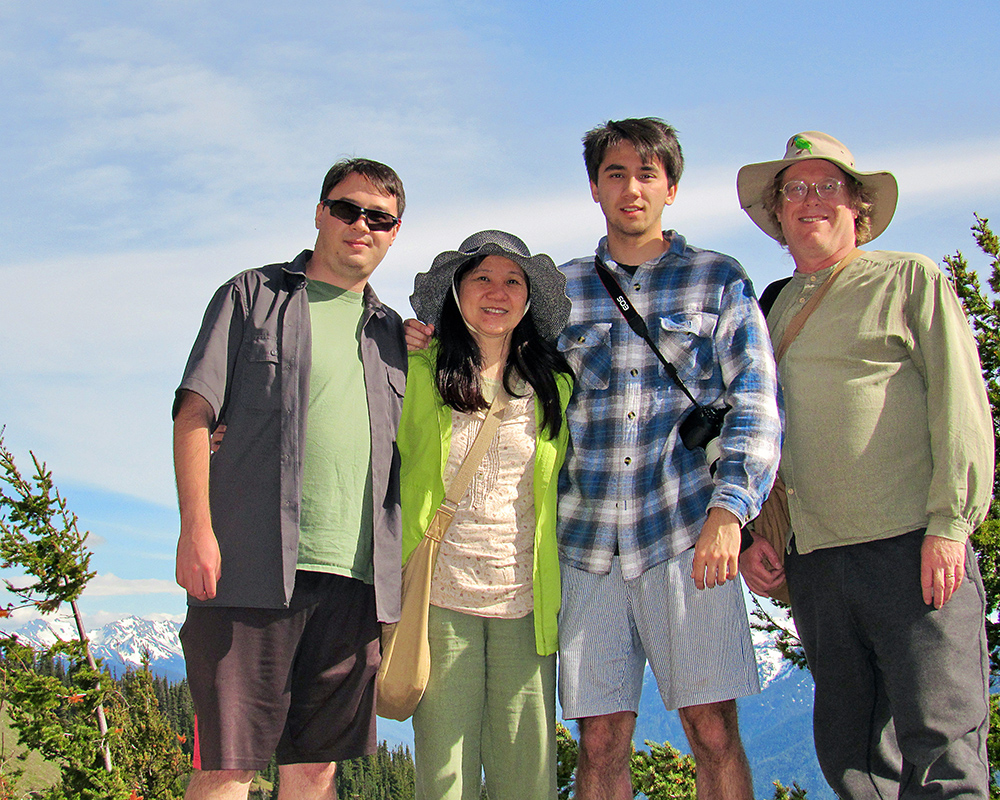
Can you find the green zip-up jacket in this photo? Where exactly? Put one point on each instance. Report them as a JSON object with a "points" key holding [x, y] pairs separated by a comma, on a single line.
{"points": [[424, 442]]}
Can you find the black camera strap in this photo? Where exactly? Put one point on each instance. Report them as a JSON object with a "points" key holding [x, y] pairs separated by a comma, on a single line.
{"points": [[636, 322]]}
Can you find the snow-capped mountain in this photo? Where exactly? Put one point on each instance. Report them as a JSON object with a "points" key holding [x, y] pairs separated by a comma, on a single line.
{"points": [[120, 644], [771, 665]]}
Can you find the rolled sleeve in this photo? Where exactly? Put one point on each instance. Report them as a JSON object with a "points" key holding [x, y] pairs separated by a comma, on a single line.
{"points": [[751, 432]]}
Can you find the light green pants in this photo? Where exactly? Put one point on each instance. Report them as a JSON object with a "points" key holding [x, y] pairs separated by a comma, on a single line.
{"points": [[490, 705]]}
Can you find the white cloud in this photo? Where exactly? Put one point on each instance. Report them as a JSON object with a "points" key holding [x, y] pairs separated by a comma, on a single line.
{"points": [[22, 616], [960, 171], [110, 585], [98, 619]]}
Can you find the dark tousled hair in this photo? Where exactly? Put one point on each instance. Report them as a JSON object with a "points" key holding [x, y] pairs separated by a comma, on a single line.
{"points": [[379, 175], [532, 357], [653, 139]]}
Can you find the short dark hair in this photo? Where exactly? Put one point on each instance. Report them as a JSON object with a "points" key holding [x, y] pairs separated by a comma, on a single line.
{"points": [[652, 138], [379, 175], [861, 200]]}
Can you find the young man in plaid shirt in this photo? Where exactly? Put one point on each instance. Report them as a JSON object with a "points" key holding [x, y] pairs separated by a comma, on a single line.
{"points": [[645, 527]]}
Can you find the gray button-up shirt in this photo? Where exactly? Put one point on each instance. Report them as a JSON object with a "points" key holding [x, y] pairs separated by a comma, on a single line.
{"points": [[251, 363]]}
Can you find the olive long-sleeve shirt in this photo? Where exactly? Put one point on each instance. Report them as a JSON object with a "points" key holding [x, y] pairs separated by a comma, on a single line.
{"points": [[888, 424]]}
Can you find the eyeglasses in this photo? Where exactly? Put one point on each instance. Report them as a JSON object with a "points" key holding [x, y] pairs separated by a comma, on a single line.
{"points": [[348, 213], [797, 191]]}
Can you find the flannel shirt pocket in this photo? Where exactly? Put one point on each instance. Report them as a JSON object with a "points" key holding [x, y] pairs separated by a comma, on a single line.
{"points": [[587, 347], [686, 341]]}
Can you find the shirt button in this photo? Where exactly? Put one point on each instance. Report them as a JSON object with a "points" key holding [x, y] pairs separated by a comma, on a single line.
{"points": [[630, 415], [627, 461], [789, 491], [582, 339], [633, 372], [637, 287], [802, 299]]}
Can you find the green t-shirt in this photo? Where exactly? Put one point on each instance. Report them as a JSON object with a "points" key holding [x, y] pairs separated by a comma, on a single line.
{"points": [[336, 523]]}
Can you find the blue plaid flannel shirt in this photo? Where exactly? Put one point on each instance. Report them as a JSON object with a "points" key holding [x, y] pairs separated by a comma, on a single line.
{"points": [[629, 483]]}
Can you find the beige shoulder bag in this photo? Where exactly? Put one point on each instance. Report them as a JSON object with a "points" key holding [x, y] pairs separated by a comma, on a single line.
{"points": [[406, 656], [774, 523]]}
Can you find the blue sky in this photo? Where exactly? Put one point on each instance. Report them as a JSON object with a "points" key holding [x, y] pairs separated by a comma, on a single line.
{"points": [[151, 150]]}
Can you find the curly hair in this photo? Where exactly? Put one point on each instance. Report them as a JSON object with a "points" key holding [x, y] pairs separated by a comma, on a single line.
{"points": [[861, 200]]}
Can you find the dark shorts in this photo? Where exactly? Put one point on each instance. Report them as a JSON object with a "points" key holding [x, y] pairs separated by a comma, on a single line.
{"points": [[299, 682]]}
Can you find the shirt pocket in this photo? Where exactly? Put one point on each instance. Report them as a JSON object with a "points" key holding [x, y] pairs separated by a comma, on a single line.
{"points": [[261, 384], [588, 349], [686, 340]]}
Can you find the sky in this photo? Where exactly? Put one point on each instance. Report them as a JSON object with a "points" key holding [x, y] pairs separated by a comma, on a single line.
{"points": [[149, 151]]}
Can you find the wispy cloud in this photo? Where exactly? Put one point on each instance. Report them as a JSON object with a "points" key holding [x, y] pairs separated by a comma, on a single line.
{"points": [[110, 585]]}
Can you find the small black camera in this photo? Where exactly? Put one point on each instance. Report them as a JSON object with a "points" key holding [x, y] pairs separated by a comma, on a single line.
{"points": [[702, 427]]}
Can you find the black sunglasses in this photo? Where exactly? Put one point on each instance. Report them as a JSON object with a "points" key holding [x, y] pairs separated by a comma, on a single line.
{"points": [[348, 213]]}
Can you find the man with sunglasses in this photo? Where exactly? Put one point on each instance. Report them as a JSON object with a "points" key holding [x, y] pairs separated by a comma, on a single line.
{"points": [[290, 533], [887, 465]]}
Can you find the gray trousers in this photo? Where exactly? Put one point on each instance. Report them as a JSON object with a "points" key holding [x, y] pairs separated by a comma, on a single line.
{"points": [[902, 705]]}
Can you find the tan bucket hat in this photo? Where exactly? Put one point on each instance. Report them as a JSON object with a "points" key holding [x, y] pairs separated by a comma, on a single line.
{"points": [[753, 179]]}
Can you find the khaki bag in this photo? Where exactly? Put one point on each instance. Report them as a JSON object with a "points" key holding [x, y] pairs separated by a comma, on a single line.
{"points": [[406, 655], [774, 522]]}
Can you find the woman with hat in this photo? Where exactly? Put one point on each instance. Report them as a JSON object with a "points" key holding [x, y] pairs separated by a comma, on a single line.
{"points": [[490, 699]]}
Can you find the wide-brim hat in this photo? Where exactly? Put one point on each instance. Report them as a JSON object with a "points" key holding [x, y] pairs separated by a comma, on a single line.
{"points": [[546, 285], [753, 180]]}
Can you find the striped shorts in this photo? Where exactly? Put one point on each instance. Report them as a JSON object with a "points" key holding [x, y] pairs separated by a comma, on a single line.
{"points": [[697, 641]]}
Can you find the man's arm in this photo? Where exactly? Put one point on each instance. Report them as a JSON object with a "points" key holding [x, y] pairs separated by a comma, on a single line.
{"points": [[199, 564], [961, 432], [751, 434]]}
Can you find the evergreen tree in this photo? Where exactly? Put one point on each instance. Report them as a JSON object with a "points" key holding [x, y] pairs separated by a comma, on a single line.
{"points": [[983, 311], [56, 718], [146, 749], [39, 535], [56, 698], [663, 773], [567, 754]]}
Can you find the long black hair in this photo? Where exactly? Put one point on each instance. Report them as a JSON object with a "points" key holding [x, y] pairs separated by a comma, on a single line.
{"points": [[532, 357]]}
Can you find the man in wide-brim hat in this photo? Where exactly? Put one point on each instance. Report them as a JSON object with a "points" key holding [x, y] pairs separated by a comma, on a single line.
{"points": [[887, 465]]}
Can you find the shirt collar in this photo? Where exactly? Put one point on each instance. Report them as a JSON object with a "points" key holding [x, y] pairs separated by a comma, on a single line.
{"points": [[296, 271], [676, 249]]}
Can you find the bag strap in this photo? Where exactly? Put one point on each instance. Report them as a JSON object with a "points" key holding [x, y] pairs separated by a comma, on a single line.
{"points": [[636, 322], [462, 479], [803, 313]]}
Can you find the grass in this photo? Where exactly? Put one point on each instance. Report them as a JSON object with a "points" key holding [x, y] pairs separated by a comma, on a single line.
{"points": [[38, 773]]}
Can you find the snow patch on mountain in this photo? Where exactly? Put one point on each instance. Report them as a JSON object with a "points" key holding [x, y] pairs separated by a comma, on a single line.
{"points": [[120, 644]]}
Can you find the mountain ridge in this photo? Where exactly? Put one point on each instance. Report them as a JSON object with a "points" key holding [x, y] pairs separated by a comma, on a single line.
{"points": [[776, 725]]}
